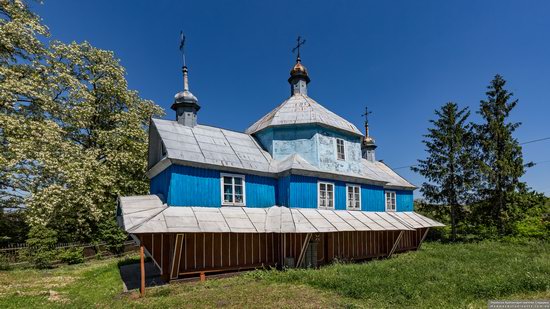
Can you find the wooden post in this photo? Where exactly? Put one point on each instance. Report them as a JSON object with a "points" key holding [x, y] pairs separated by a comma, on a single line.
{"points": [[142, 267], [203, 276], [396, 243], [423, 237], [304, 248]]}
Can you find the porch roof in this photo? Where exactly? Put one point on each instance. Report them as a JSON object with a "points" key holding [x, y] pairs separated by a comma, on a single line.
{"points": [[147, 214]]}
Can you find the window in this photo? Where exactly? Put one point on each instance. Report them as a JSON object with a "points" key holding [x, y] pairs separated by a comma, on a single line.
{"points": [[340, 150], [390, 201], [326, 195], [233, 191], [353, 200]]}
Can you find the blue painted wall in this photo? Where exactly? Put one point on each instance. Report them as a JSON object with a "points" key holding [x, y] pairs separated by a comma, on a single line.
{"points": [[260, 191], [372, 198], [316, 144], [404, 200], [283, 191], [303, 192], [281, 142], [160, 184], [190, 186]]}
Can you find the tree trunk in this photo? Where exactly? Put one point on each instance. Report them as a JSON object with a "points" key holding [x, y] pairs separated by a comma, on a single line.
{"points": [[453, 221]]}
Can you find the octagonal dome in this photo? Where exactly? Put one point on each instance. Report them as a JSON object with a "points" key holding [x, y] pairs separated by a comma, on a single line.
{"points": [[301, 109]]}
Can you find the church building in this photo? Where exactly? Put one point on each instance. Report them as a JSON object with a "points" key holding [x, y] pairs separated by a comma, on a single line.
{"points": [[301, 187]]}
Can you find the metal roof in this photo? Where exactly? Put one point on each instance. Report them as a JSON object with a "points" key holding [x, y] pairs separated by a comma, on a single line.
{"points": [[147, 214], [214, 146], [301, 109], [205, 146], [416, 220]]}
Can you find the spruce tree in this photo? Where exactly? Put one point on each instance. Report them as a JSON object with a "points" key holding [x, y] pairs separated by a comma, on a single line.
{"points": [[449, 166], [501, 160]]}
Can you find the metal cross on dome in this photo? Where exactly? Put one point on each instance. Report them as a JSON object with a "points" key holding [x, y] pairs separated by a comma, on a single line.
{"points": [[299, 42], [366, 114]]}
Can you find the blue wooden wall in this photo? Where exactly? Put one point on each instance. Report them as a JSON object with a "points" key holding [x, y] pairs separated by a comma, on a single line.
{"points": [[372, 198], [190, 186], [404, 200], [160, 184]]}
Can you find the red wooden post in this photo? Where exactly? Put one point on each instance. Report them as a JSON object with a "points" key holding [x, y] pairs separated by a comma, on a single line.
{"points": [[203, 276], [142, 267]]}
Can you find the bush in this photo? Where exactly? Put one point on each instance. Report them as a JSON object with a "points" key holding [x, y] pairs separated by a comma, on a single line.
{"points": [[72, 256], [41, 243], [4, 263], [114, 237]]}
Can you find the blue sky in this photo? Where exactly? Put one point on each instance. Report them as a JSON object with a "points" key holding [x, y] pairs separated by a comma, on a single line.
{"points": [[401, 58]]}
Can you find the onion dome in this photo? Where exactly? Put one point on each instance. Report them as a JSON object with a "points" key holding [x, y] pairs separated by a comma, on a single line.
{"points": [[299, 71]]}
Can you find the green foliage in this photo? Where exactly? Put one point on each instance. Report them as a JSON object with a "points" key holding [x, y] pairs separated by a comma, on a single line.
{"points": [[72, 256], [41, 243], [437, 276], [110, 233], [500, 157], [473, 173], [4, 263], [13, 227], [73, 135], [530, 216], [449, 167]]}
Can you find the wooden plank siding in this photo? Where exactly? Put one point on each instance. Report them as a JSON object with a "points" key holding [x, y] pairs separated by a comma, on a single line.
{"points": [[187, 255], [191, 186]]}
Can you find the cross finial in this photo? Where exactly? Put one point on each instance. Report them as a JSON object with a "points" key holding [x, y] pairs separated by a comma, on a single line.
{"points": [[182, 47], [299, 42], [366, 115]]}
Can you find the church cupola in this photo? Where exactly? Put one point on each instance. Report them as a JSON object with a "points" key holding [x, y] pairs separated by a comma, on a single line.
{"points": [[298, 75], [368, 145], [185, 103]]}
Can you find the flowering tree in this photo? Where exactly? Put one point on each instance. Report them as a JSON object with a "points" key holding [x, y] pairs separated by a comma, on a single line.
{"points": [[74, 137]]}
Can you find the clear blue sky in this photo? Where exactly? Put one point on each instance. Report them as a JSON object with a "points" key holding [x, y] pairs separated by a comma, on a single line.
{"points": [[401, 58]]}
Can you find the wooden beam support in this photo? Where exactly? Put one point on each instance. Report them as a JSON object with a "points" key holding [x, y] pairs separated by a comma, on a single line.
{"points": [[423, 237], [142, 267], [303, 251], [178, 244], [396, 243]]}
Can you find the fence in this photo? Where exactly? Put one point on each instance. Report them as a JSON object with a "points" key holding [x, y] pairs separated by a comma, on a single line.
{"points": [[12, 253]]}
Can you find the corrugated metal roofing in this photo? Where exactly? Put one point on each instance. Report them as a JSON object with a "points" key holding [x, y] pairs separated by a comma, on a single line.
{"points": [[147, 214], [204, 145], [301, 109], [416, 220]]}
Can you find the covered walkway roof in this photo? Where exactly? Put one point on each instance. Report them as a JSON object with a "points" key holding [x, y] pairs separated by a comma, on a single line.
{"points": [[147, 214]]}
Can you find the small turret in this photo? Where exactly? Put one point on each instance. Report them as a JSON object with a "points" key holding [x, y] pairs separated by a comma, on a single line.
{"points": [[368, 145], [185, 103], [298, 75]]}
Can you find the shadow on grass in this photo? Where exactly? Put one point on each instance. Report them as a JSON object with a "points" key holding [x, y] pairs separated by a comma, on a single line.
{"points": [[129, 270]]}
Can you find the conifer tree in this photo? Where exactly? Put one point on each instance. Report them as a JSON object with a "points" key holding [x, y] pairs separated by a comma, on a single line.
{"points": [[449, 167], [501, 160]]}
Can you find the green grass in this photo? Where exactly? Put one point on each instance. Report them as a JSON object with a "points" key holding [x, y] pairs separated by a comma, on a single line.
{"points": [[438, 276]]}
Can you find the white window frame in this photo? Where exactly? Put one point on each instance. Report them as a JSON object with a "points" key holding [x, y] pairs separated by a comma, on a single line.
{"points": [[319, 194], [394, 200], [343, 150], [243, 179], [350, 185]]}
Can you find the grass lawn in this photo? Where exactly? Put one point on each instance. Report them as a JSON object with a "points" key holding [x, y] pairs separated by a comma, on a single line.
{"points": [[437, 276]]}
